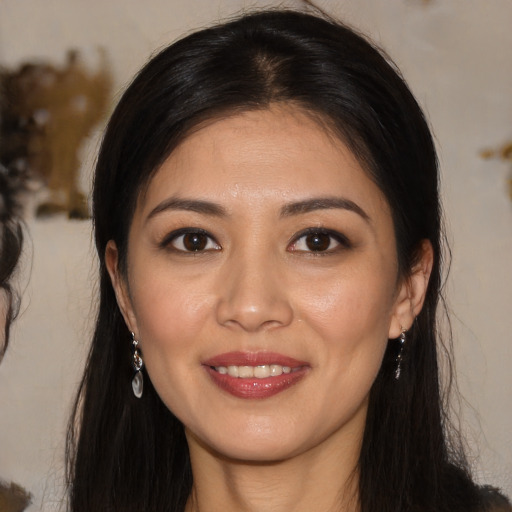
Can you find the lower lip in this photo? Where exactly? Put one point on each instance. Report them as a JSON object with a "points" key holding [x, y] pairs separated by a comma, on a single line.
{"points": [[253, 387]]}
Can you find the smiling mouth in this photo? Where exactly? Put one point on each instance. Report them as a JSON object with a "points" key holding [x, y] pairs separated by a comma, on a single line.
{"points": [[255, 372], [255, 375]]}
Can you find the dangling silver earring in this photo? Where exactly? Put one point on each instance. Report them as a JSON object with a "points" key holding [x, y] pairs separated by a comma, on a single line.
{"points": [[400, 355], [138, 363]]}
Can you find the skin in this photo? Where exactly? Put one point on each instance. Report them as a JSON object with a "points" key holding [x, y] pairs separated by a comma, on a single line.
{"points": [[257, 286]]}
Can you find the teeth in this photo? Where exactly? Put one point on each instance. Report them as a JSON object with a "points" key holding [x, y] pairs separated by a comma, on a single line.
{"points": [[245, 372], [259, 372], [275, 370], [232, 370]]}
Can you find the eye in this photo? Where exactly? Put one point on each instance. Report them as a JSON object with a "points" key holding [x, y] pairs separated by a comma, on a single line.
{"points": [[191, 240], [318, 240]]}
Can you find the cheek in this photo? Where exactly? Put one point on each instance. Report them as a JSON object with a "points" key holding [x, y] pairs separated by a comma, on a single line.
{"points": [[172, 323], [171, 317], [347, 306], [351, 316]]}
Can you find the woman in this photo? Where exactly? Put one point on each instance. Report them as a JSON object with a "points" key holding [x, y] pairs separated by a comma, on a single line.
{"points": [[268, 227]]}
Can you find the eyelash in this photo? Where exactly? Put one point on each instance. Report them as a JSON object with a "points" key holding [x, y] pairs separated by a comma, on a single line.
{"points": [[341, 240]]}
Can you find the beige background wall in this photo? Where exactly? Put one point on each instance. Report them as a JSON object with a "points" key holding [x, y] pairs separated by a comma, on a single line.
{"points": [[456, 55]]}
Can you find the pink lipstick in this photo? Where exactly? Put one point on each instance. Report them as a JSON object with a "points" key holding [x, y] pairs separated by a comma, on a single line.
{"points": [[255, 374]]}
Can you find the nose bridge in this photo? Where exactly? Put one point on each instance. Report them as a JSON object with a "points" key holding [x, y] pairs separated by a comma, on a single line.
{"points": [[253, 295]]}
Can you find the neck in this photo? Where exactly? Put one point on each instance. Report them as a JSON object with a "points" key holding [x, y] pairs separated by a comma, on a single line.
{"points": [[323, 480]]}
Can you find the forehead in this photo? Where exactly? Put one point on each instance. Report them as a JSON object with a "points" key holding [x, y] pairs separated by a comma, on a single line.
{"points": [[277, 154]]}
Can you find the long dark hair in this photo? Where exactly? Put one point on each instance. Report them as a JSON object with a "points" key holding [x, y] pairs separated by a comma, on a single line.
{"points": [[127, 454], [11, 242]]}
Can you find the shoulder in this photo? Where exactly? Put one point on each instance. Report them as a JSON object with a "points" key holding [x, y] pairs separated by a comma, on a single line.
{"points": [[493, 501]]}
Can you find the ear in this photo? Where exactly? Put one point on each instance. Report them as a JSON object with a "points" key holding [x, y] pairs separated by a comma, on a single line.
{"points": [[120, 286], [412, 291]]}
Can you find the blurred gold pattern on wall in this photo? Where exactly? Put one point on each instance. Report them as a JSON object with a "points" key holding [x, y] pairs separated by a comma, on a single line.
{"points": [[504, 153], [13, 498], [46, 114]]}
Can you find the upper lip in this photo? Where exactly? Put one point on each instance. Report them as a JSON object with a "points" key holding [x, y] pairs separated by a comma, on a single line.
{"points": [[253, 359]]}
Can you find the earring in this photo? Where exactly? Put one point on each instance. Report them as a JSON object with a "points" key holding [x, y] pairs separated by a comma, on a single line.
{"points": [[400, 355], [138, 363]]}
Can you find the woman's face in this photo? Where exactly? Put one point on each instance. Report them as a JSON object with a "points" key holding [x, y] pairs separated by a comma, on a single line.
{"points": [[262, 249]]}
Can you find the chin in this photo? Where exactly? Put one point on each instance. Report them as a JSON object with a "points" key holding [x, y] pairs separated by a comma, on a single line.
{"points": [[255, 453], [250, 446]]}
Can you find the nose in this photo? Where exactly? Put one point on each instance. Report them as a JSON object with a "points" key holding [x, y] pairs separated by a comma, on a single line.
{"points": [[253, 296]]}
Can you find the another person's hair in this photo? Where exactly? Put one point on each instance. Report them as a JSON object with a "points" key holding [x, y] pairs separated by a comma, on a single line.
{"points": [[130, 455], [11, 240]]}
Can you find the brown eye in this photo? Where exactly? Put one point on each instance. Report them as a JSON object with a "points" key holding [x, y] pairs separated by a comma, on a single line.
{"points": [[190, 240], [318, 241], [195, 241]]}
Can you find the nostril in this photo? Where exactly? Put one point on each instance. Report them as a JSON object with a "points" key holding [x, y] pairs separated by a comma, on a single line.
{"points": [[254, 317]]}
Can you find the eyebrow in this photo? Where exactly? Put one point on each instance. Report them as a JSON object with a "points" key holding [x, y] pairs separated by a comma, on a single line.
{"points": [[191, 205], [295, 208], [323, 203]]}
